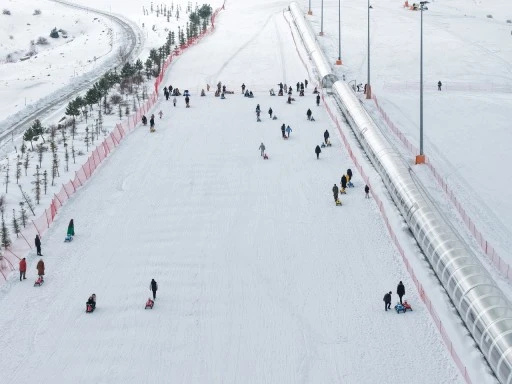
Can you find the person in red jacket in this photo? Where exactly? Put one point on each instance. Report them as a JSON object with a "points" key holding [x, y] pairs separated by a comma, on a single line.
{"points": [[23, 268]]}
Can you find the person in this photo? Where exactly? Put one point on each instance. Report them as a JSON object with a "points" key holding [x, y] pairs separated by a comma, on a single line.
{"points": [[387, 301], [335, 191], [152, 123], [187, 101], [153, 286], [258, 109], [243, 88], [262, 149], [317, 151], [280, 92], [315, 90], [400, 291], [349, 175], [71, 228], [326, 136], [298, 86], [367, 191], [290, 90], [40, 269], [208, 87], [92, 301], [439, 85], [272, 93], [222, 96], [288, 130], [160, 113], [302, 86], [223, 89], [23, 269], [280, 86], [306, 83], [283, 128], [165, 89], [38, 245], [174, 101], [251, 95], [301, 93], [317, 100], [309, 113], [144, 120], [219, 85], [289, 100], [343, 183], [203, 93], [270, 112]]}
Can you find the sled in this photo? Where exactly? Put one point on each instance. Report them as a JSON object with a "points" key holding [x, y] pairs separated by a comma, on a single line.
{"points": [[407, 306], [89, 308], [68, 239], [342, 191], [338, 203], [350, 185], [274, 118], [152, 130], [265, 157], [149, 304], [399, 308], [323, 145], [39, 282]]}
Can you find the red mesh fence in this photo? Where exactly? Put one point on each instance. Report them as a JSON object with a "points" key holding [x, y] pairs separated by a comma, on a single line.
{"points": [[502, 266], [38, 226]]}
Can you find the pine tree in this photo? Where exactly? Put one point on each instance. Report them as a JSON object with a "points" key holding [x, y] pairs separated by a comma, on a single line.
{"points": [[37, 185], [29, 136], [40, 151], [23, 214], [26, 163], [66, 158], [73, 153], [86, 139], [38, 130], [55, 167], [27, 200], [15, 226], [45, 181], [18, 169], [7, 175], [6, 240], [23, 148]]}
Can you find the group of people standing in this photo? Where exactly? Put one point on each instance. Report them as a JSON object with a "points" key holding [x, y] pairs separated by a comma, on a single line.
{"points": [[400, 291]]}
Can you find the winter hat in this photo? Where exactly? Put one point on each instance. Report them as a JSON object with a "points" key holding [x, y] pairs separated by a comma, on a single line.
{"points": [[390, 292], [400, 281]]}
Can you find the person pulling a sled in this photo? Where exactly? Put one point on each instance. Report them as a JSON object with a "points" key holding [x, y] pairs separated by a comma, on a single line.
{"points": [[343, 183], [153, 286], [326, 136], [262, 149], [335, 191], [71, 228], [318, 151], [400, 291], [91, 303], [40, 269], [23, 269]]}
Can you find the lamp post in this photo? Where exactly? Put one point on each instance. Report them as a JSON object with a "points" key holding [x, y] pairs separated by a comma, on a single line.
{"points": [[420, 159], [338, 62], [322, 20], [310, 12], [368, 86]]}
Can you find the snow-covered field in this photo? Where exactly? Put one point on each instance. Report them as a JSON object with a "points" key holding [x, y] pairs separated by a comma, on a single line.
{"points": [[466, 125], [261, 277]]}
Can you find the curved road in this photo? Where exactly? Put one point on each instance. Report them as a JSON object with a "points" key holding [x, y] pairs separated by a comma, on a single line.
{"points": [[132, 40]]}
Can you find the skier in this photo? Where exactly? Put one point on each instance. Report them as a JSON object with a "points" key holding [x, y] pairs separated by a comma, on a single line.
{"points": [[283, 128], [439, 85], [288, 130], [71, 228], [309, 113], [367, 192], [92, 301], [243, 88], [270, 112], [317, 151], [160, 113], [387, 301], [343, 183], [152, 123], [153, 286], [23, 269], [40, 269], [262, 149], [317, 100], [187, 101], [174, 101], [38, 245], [326, 136], [335, 191], [306, 82], [400, 291]]}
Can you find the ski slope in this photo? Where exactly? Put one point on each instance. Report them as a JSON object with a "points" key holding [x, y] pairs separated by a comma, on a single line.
{"points": [[261, 278]]}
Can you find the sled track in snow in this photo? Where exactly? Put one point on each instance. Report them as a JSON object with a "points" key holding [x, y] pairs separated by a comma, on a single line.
{"points": [[130, 47]]}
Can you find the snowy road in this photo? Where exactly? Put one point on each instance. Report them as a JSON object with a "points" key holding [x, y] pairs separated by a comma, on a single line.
{"points": [[262, 279]]}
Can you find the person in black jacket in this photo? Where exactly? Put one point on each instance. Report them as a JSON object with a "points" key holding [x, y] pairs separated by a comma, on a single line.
{"points": [[400, 291], [283, 128], [387, 301], [38, 245], [317, 100], [343, 183], [367, 192], [349, 175], [153, 286], [335, 191], [326, 136], [317, 151], [309, 113]]}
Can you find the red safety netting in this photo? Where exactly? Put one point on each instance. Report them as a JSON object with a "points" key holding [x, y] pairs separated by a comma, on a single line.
{"points": [[486, 247], [38, 226]]}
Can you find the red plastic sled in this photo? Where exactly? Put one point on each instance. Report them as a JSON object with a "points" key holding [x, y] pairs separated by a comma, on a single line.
{"points": [[39, 282], [149, 304]]}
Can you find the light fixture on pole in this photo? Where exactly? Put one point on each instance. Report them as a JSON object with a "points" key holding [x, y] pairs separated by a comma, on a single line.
{"points": [[420, 159], [338, 62], [368, 86], [322, 20], [310, 12]]}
